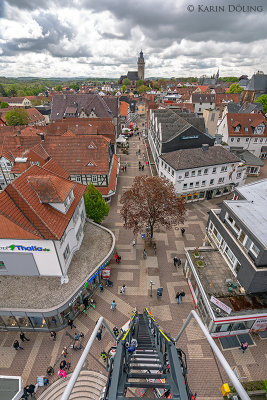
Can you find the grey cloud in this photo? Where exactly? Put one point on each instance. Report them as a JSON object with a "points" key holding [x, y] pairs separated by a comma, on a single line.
{"points": [[53, 32]]}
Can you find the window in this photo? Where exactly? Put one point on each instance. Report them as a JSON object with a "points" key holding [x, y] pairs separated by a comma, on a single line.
{"points": [[211, 104], [255, 140], [186, 174], [184, 186], [203, 183], [199, 172], [224, 168], [2, 266], [169, 169], [165, 166], [221, 180], [237, 128], [79, 232], [232, 139], [193, 173], [191, 184], [238, 175], [206, 171], [246, 129], [94, 178], [197, 184], [162, 163], [247, 139], [238, 139], [200, 104], [255, 250], [212, 182], [199, 109], [172, 172], [214, 170], [261, 140], [66, 253], [78, 179]]}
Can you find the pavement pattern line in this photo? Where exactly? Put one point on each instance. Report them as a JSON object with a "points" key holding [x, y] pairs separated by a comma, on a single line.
{"points": [[32, 356]]}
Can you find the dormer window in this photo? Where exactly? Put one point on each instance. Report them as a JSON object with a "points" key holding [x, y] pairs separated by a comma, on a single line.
{"points": [[237, 128]]}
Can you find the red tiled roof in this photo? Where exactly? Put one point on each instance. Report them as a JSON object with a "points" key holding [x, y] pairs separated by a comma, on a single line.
{"points": [[227, 97], [245, 121], [49, 188], [56, 169], [20, 203]]}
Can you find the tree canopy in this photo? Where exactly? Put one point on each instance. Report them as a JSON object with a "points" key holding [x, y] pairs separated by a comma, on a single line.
{"points": [[151, 201], [263, 100], [74, 86], [96, 207], [3, 104], [17, 117], [126, 82], [235, 88], [58, 88], [143, 88], [123, 88], [140, 82]]}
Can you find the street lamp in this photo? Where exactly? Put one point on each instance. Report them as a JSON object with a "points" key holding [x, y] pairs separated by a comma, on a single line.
{"points": [[151, 284]]}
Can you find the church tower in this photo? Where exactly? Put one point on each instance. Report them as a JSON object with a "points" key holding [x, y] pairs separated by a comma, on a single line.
{"points": [[141, 66]]}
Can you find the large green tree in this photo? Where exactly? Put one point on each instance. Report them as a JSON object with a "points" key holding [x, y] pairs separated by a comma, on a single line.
{"points": [[17, 117], [58, 88], [3, 104], [151, 201], [263, 100], [140, 82], [96, 207], [143, 89], [235, 88], [126, 82]]}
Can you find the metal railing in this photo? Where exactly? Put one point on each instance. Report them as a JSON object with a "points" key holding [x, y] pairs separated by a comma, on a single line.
{"points": [[167, 353], [77, 370], [121, 361], [232, 376]]}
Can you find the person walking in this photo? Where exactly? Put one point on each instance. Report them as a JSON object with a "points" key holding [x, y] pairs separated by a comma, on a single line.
{"points": [[182, 294], [101, 287], [155, 248], [125, 168], [99, 334], [122, 168], [133, 242], [71, 324], [53, 335], [244, 346], [178, 262], [175, 261], [116, 331], [23, 337], [17, 346], [182, 231], [30, 389], [144, 254], [64, 352], [113, 305], [178, 294], [62, 364], [143, 167], [123, 289]]}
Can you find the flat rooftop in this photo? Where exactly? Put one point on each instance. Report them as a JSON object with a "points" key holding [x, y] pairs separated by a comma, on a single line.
{"points": [[213, 277], [24, 293], [255, 191], [9, 387]]}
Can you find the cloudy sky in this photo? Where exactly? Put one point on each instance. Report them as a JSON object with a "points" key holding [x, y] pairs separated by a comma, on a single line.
{"points": [[102, 38]]}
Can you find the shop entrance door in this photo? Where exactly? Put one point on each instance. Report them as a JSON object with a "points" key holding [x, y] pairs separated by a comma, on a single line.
{"points": [[209, 194]]}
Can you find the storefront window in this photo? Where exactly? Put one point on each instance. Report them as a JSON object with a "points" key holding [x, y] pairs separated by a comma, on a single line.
{"points": [[52, 322], [201, 195], [69, 313], [9, 321], [38, 322], [23, 322]]}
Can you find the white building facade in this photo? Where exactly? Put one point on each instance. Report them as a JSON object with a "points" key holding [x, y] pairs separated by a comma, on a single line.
{"points": [[200, 181]]}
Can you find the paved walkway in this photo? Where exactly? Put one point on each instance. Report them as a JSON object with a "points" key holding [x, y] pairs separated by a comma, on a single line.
{"points": [[205, 376]]}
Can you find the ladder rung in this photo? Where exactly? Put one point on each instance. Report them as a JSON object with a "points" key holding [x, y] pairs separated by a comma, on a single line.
{"points": [[145, 362], [142, 368], [147, 385], [146, 376]]}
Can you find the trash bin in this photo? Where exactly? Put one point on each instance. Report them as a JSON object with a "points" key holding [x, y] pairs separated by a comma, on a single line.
{"points": [[159, 291]]}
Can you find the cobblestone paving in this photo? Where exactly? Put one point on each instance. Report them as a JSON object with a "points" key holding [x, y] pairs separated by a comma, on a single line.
{"points": [[205, 375]]}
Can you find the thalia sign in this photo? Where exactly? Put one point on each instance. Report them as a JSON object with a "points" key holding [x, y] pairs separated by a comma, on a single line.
{"points": [[12, 247]]}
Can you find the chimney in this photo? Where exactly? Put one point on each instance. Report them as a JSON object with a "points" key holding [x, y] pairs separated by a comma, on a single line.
{"points": [[205, 147], [42, 136]]}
